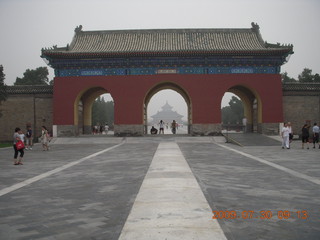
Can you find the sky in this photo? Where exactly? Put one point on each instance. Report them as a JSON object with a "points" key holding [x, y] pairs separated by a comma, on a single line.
{"points": [[27, 26]]}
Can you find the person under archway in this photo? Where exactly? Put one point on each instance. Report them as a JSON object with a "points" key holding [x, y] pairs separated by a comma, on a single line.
{"points": [[244, 124], [173, 126], [161, 127], [153, 130]]}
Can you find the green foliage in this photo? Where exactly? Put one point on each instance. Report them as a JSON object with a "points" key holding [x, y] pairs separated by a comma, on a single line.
{"points": [[102, 112], [286, 79], [3, 94], [4, 145], [38, 76], [306, 75], [233, 114], [2, 76]]}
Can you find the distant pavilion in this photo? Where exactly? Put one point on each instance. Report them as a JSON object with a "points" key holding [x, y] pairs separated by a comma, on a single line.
{"points": [[167, 115]]}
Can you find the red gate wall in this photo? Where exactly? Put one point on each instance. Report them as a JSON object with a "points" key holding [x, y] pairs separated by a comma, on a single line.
{"points": [[205, 92]]}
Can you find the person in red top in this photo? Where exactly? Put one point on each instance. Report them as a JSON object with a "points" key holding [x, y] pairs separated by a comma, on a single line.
{"points": [[16, 138]]}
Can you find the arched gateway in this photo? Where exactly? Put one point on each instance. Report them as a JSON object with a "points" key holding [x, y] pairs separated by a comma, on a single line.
{"points": [[200, 64]]}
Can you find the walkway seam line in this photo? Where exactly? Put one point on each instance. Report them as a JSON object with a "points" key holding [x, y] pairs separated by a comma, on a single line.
{"points": [[169, 207], [56, 170], [277, 166]]}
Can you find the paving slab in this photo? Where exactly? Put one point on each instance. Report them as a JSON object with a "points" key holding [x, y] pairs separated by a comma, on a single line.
{"points": [[97, 181], [237, 183], [170, 206], [90, 200], [251, 139]]}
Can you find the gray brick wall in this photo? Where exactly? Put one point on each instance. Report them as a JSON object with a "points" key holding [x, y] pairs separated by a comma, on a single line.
{"points": [[21, 109], [300, 108]]}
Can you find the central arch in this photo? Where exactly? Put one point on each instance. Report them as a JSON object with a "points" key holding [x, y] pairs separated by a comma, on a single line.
{"points": [[165, 86]]}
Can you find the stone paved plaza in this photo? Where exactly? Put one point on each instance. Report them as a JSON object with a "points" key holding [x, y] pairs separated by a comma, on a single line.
{"points": [[160, 188]]}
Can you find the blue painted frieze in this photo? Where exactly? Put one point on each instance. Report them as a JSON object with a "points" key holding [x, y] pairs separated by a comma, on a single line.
{"points": [[153, 71]]}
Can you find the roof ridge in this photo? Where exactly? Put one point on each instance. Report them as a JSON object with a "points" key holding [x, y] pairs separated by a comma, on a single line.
{"points": [[181, 41], [167, 30], [29, 89]]}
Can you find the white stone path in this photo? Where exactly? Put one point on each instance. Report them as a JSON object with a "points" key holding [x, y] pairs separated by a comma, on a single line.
{"points": [[170, 204]]}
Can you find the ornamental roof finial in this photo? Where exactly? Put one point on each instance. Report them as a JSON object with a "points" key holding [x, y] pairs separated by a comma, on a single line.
{"points": [[78, 29], [255, 26]]}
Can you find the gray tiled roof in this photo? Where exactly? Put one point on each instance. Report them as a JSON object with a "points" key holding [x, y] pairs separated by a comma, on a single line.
{"points": [[168, 41], [29, 89], [314, 87]]}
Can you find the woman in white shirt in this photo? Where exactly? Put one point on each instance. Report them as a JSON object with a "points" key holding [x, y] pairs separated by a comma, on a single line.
{"points": [[285, 136]]}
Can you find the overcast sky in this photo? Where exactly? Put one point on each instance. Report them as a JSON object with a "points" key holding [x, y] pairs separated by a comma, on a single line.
{"points": [[29, 25]]}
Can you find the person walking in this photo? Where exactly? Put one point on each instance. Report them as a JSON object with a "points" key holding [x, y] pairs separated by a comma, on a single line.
{"points": [[161, 127], [16, 139], [290, 132], [315, 131], [22, 136], [173, 126], [29, 138], [244, 124], [106, 128], [285, 136], [305, 135], [45, 138]]}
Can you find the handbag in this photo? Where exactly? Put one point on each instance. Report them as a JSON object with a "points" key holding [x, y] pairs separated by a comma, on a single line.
{"points": [[19, 145]]}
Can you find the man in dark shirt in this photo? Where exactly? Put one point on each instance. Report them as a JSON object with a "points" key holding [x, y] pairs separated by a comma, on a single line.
{"points": [[153, 130], [29, 139]]}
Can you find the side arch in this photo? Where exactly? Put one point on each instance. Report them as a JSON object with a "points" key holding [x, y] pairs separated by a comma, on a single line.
{"points": [[252, 105], [83, 108]]}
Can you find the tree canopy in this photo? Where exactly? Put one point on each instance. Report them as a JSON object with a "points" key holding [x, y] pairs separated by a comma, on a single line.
{"points": [[305, 76], [286, 78], [102, 112], [3, 94], [233, 114], [37, 76]]}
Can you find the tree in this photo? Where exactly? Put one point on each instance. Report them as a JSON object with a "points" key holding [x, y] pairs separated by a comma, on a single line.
{"points": [[286, 79], [316, 78], [102, 112], [236, 107], [38, 76], [233, 113], [3, 93], [227, 116], [306, 76]]}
